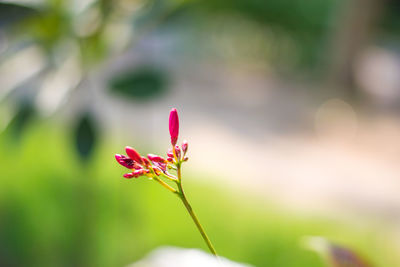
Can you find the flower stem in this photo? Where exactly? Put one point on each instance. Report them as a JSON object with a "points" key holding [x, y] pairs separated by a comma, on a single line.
{"points": [[167, 186], [182, 196]]}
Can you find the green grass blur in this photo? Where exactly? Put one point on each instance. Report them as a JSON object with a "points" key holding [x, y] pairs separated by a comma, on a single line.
{"points": [[57, 211]]}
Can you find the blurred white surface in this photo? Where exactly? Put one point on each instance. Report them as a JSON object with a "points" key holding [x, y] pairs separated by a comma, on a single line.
{"points": [[180, 257]]}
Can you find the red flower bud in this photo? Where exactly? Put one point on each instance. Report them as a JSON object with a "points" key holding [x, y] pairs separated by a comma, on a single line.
{"points": [[184, 146], [162, 166], [155, 158], [170, 154], [128, 175], [124, 161], [173, 126], [169, 159], [137, 166], [133, 154], [146, 162], [138, 173], [157, 171], [178, 152]]}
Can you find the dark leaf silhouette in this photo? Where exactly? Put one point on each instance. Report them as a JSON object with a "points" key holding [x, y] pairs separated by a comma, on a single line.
{"points": [[85, 136], [142, 84]]}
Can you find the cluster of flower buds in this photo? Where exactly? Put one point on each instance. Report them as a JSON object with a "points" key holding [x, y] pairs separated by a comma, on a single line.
{"points": [[154, 166]]}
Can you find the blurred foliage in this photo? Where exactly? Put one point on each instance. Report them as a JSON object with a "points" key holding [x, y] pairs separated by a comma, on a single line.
{"points": [[391, 21], [141, 83], [306, 23], [335, 255], [56, 212], [86, 136], [11, 13], [48, 26], [298, 17], [25, 112]]}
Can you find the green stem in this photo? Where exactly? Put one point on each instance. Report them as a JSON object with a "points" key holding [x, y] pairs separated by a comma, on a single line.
{"points": [[182, 196], [167, 186]]}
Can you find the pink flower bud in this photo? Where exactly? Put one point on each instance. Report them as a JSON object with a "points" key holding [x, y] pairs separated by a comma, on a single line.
{"points": [[124, 161], [157, 171], [162, 166], [138, 173], [184, 146], [169, 159], [178, 152], [155, 158], [170, 154], [173, 126], [128, 175], [137, 166], [146, 162], [133, 154]]}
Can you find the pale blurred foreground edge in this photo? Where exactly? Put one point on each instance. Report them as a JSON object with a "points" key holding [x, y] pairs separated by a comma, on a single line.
{"points": [[182, 257]]}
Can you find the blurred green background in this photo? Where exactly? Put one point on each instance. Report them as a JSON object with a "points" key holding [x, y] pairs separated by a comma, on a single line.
{"points": [[57, 211], [79, 80]]}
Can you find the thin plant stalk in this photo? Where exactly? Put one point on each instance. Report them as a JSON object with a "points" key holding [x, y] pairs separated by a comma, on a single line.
{"points": [[189, 208]]}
